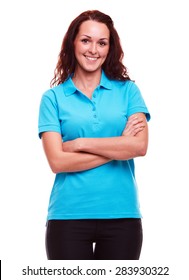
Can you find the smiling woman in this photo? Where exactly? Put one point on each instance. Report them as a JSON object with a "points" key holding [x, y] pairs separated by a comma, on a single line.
{"points": [[91, 49], [93, 123]]}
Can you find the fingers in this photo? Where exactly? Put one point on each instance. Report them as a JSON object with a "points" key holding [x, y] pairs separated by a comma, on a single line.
{"points": [[134, 126], [134, 120], [137, 130]]}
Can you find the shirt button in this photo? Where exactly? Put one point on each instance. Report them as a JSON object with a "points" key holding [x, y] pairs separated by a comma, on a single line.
{"points": [[94, 116], [94, 95]]}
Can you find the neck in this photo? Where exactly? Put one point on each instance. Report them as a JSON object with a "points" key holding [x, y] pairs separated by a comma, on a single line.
{"points": [[86, 82]]}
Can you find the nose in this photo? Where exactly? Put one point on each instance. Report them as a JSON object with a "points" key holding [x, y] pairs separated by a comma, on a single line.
{"points": [[93, 48]]}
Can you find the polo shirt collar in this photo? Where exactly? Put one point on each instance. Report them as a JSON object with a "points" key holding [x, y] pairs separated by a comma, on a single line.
{"points": [[105, 82], [70, 88]]}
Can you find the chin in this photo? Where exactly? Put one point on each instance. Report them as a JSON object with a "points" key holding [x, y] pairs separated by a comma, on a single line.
{"points": [[92, 69]]}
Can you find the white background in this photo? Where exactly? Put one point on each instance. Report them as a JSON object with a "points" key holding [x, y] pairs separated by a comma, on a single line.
{"points": [[154, 36]]}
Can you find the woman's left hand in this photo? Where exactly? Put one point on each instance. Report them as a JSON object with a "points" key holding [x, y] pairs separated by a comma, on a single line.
{"points": [[135, 124]]}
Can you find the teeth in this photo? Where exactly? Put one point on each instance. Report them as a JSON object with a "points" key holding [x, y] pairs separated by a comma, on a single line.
{"points": [[91, 58]]}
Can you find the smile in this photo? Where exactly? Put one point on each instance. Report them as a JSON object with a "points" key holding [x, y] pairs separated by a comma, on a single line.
{"points": [[91, 58]]}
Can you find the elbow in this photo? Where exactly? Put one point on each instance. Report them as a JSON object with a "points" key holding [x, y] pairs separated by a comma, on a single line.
{"points": [[142, 151], [55, 167], [58, 166], [55, 170]]}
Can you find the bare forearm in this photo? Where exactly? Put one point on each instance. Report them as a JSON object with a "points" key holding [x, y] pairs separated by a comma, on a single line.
{"points": [[132, 143], [74, 162], [117, 148], [66, 161]]}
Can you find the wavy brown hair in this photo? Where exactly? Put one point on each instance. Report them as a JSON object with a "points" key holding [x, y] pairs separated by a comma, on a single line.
{"points": [[113, 66]]}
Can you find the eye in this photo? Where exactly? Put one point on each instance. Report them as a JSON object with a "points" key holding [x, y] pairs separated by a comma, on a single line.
{"points": [[85, 41], [102, 43]]}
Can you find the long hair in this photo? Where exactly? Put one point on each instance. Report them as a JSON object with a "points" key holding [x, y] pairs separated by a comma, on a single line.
{"points": [[113, 66]]}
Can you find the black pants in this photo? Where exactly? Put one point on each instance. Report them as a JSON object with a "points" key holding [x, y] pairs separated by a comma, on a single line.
{"points": [[98, 239]]}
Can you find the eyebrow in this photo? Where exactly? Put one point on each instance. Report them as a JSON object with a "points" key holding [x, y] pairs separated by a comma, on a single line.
{"points": [[90, 37]]}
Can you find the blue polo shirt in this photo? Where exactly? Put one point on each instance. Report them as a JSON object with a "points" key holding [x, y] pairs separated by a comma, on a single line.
{"points": [[107, 191]]}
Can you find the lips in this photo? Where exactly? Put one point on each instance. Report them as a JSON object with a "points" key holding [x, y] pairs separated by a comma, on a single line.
{"points": [[91, 58]]}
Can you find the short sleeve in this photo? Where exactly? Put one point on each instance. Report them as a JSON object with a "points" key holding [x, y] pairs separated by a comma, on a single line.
{"points": [[48, 114], [136, 102]]}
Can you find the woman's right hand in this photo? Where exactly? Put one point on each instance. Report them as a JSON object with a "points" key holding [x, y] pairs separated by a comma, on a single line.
{"points": [[135, 124]]}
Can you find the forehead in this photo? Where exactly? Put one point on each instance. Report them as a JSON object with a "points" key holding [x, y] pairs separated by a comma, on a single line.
{"points": [[94, 29]]}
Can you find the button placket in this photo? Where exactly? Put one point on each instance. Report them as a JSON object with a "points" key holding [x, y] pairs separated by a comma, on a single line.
{"points": [[94, 109]]}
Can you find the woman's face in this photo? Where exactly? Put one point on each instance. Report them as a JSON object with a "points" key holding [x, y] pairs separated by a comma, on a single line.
{"points": [[91, 45]]}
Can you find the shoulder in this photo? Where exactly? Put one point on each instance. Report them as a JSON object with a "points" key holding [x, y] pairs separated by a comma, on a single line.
{"points": [[53, 93], [125, 86], [116, 84]]}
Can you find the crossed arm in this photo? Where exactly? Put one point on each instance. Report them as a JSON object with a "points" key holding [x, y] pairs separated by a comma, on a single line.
{"points": [[86, 153]]}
